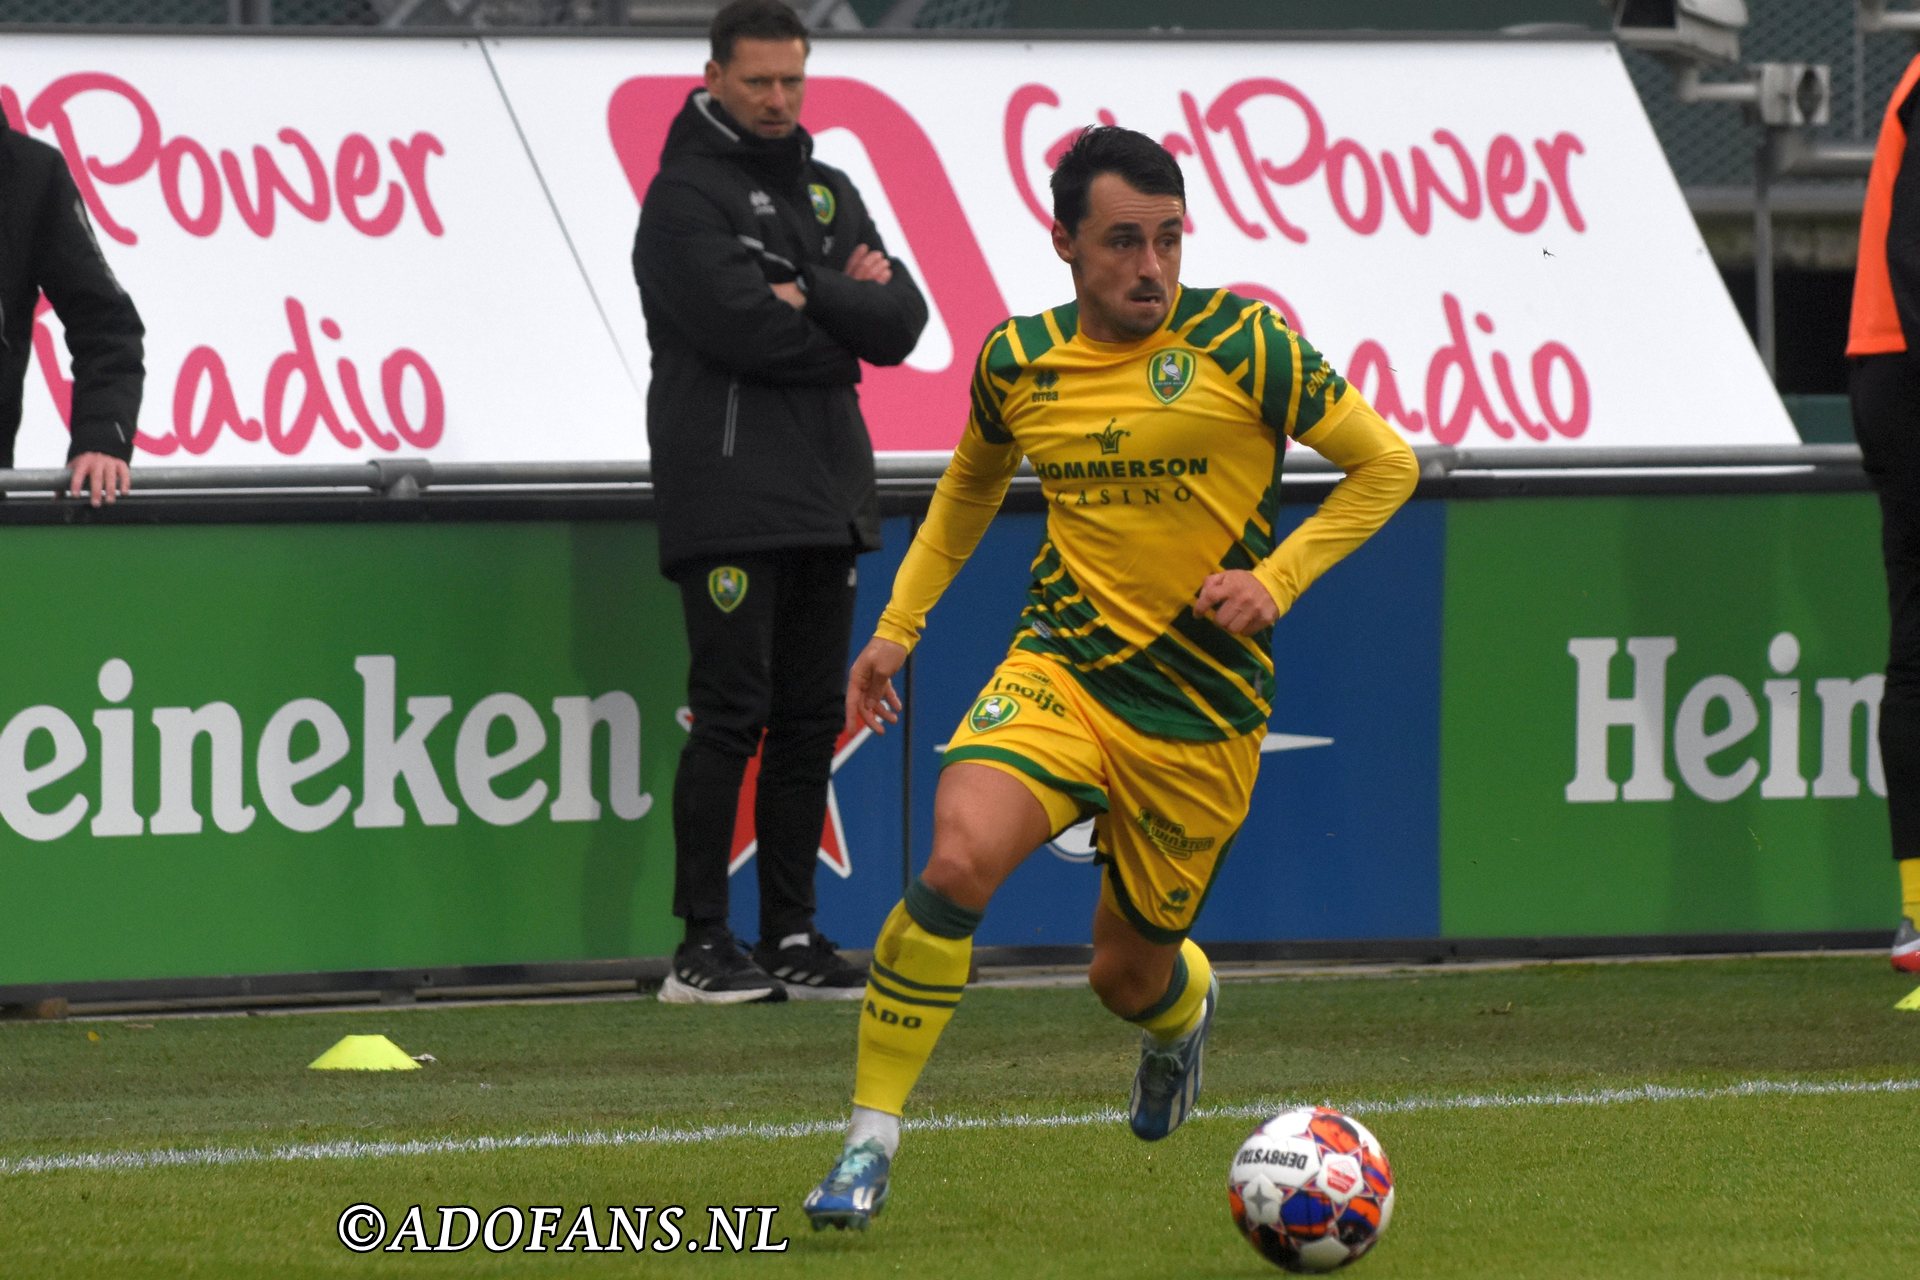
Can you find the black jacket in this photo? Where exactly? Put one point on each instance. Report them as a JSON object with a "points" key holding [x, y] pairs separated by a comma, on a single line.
{"points": [[752, 415], [47, 245]]}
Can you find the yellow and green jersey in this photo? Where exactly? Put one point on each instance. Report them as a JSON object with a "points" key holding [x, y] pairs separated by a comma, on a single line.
{"points": [[1159, 465]]}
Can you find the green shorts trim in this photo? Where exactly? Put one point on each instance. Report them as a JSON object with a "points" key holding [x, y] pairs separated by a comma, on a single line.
{"points": [[1090, 798], [1147, 928]]}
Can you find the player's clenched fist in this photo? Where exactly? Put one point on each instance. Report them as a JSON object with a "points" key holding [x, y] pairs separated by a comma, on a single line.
{"points": [[1236, 602], [871, 701]]}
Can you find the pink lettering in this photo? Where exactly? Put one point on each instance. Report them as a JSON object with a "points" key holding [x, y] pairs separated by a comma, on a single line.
{"points": [[1372, 371], [258, 213], [1363, 184], [1340, 155], [196, 180], [356, 173], [172, 156], [1507, 176], [1556, 155], [1457, 399], [433, 410], [1573, 424], [203, 368], [1012, 133], [297, 399], [1418, 211], [1450, 420], [411, 156]]}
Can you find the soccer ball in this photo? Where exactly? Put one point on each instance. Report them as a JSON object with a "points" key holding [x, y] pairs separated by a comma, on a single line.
{"points": [[1311, 1189]]}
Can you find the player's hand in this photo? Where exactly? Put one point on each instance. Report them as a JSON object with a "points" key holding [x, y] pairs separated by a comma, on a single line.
{"points": [[790, 293], [871, 701], [1236, 601], [868, 264], [100, 475]]}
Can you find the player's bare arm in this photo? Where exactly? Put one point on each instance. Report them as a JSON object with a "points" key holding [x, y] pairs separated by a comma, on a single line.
{"points": [[1236, 601], [871, 700]]}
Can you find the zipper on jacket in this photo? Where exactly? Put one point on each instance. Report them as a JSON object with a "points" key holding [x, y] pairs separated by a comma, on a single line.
{"points": [[733, 416]]}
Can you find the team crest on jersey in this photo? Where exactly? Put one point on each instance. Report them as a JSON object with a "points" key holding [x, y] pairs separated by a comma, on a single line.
{"points": [[991, 712], [727, 587], [1169, 373], [823, 205]]}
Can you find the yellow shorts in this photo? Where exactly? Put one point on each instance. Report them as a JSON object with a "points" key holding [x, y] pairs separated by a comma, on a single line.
{"points": [[1167, 810]]}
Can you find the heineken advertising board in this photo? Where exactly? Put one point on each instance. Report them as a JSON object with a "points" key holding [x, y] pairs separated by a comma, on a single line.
{"points": [[1659, 716], [269, 749], [275, 748]]}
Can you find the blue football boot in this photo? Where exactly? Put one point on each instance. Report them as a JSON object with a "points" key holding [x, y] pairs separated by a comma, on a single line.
{"points": [[853, 1192], [1168, 1081]]}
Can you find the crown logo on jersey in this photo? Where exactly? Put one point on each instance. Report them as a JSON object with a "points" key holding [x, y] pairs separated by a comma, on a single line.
{"points": [[1108, 437], [1169, 373], [823, 206]]}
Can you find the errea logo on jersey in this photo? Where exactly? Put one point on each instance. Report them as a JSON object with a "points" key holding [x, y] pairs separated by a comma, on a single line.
{"points": [[1044, 383]]}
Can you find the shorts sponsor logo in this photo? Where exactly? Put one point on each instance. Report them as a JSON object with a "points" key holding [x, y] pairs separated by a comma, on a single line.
{"points": [[1169, 374], [1043, 698], [1171, 838], [991, 712], [727, 587]]}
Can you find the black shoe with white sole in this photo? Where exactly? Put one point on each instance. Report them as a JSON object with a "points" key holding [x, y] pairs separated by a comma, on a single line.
{"points": [[811, 966], [717, 971]]}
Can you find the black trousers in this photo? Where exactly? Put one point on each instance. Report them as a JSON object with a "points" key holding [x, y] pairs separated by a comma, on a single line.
{"points": [[1886, 420], [767, 637]]}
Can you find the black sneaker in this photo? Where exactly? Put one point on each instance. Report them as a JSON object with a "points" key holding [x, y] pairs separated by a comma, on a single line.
{"points": [[717, 971], [812, 969]]}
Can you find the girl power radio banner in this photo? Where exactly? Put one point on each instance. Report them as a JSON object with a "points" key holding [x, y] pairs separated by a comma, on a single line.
{"points": [[349, 248]]}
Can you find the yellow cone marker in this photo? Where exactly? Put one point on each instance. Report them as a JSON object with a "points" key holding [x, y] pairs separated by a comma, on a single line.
{"points": [[364, 1053], [1912, 1002]]}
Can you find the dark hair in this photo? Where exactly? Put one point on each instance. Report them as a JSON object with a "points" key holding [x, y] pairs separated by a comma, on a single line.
{"points": [[754, 20], [1142, 163]]}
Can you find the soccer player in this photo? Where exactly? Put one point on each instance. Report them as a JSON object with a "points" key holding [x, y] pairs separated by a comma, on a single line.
{"points": [[1139, 680]]}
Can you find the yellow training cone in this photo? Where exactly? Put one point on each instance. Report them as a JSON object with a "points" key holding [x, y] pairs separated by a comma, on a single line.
{"points": [[1912, 1002], [364, 1053]]}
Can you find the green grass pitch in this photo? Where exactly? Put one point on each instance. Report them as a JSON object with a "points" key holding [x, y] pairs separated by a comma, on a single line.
{"points": [[1728, 1118]]}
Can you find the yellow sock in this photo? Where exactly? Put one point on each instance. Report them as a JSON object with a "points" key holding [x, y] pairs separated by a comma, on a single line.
{"points": [[1178, 1011], [1910, 889], [919, 972]]}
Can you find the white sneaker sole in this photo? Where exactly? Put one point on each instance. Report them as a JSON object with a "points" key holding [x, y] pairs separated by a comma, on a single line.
{"points": [[674, 991]]}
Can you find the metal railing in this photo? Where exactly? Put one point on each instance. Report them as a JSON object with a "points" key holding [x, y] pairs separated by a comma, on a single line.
{"points": [[411, 477]]}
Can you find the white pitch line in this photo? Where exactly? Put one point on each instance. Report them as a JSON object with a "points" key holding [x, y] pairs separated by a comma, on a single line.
{"points": [[205, 1157]]}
